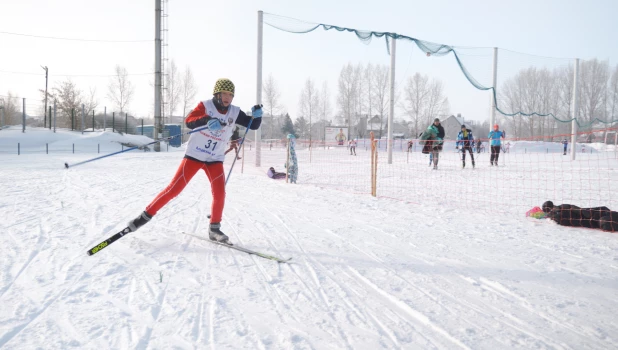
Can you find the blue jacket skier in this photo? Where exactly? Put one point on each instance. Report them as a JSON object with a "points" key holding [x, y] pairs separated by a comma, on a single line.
{"points": [[494, 137]]}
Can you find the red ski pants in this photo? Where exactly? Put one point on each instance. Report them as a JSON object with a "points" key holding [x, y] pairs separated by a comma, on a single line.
{"points": [[184, 174]]}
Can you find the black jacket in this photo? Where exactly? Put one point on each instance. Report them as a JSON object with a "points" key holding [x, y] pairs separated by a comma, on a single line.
{"points": [[574, 216]]}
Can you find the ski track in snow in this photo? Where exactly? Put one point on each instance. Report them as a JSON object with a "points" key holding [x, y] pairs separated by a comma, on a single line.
{"points": [[365, 273]]}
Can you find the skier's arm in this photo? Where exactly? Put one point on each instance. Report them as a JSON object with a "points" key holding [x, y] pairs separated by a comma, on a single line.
{"points": [[197, 117], [243, 119]]}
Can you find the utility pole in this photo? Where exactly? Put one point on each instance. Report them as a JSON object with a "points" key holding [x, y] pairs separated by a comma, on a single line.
{"points": [[46, 74], [158, 127]]}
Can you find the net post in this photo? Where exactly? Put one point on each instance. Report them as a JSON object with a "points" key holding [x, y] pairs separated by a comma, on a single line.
{"points": [[575, 103], [391, 102], [258, 90]]}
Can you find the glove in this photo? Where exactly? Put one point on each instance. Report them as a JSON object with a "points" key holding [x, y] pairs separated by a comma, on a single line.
{"points": [[256, 111], [214, 124]]}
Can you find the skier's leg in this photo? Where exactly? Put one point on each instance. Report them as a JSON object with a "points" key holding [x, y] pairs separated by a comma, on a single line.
{"points": [[185, 172], [493, 155], [216, 176]]}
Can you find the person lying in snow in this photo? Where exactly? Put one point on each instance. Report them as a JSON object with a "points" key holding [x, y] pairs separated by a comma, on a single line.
{"points": [[571, 215], [275, 175]]}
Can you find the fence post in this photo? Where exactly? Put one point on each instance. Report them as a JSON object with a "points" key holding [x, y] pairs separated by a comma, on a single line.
{"points": [[23, 115], [83, 116], [50, 116], [72, 119], [93, 120], [47, 147], [126, 128], [98, 148], [18, 148], [55, 115], [113, 121]]}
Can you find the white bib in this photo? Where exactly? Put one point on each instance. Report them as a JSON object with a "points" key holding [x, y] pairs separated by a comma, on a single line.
{"points": [[207, 145]]}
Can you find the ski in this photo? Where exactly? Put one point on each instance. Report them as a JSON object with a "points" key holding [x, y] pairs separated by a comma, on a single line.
{"points": [[242, 249], [108, 241]]}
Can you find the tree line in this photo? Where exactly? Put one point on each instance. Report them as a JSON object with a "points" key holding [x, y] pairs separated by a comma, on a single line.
{"points": [[179, 91]]}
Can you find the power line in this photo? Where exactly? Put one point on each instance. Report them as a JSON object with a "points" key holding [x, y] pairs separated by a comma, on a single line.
{"points": [[75, 39], [72, 75]]}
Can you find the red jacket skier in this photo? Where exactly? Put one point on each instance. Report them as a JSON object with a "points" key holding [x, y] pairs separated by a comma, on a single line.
{"points": [[206, 151]]}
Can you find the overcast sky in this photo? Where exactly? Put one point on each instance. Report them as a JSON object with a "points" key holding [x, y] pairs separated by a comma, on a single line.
{"points": [[218, 39]]}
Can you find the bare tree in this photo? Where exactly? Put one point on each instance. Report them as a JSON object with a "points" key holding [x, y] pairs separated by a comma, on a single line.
{"points": [[416, 94], [612, 98], [69, 103], [120, 89], [324, 107], [172, 88], [593, 88], [271, 100], [309, 103], [436, 103], [380, 96], [10, 108], [347, 94], [189, 90]]}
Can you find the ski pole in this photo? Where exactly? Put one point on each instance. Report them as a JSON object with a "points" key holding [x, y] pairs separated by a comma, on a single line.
{"points": [[67, 165], [242, 142]]}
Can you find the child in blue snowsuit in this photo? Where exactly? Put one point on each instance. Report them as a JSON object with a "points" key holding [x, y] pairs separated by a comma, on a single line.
{"points": [[494, 137]]}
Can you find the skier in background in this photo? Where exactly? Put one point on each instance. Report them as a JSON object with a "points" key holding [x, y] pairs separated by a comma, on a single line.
{"points": [[234, 142], [205, 151], [466, 140], [433, 138], [479, 143], [495, 136], [565, 144], [353, 147]]}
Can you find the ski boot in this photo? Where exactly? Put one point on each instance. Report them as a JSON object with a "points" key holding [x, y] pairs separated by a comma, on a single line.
{"points": [[139, 221], [216, 235]]}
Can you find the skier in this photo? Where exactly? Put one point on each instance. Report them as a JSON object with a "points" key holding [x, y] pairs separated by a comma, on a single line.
{"points": [[410, 145], [495, 136], [571, 215], [292, 164], [353, 147], [466, 140], [479, 143], [565, 143], [433, 138], [205, 151], [234, 141]]}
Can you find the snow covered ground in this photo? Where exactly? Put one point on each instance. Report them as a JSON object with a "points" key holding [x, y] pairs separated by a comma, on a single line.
{"points": [[366, 273]]}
